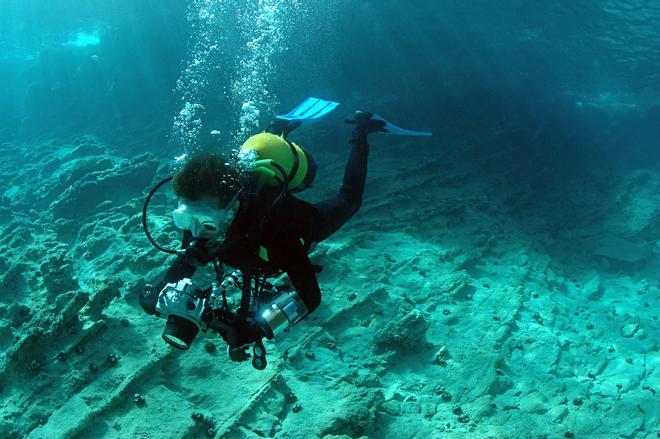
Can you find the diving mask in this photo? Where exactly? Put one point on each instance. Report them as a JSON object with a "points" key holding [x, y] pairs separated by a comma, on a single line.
{"points": [[202, 220]]}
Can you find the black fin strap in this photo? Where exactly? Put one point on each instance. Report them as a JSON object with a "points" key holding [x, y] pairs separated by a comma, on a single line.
{"points": [[296, 164]]}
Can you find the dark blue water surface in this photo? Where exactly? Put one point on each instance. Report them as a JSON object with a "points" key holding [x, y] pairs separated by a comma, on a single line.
{"points": [[586, 73]]}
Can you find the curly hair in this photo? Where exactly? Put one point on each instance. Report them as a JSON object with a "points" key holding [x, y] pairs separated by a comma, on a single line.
{"points": [[205, 175]]}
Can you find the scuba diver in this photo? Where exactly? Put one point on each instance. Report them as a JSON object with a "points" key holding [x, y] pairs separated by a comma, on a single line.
{"points": [[247, 217]]}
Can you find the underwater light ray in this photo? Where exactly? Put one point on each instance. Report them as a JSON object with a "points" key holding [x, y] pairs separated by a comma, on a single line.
{"points": [[84, 39]]}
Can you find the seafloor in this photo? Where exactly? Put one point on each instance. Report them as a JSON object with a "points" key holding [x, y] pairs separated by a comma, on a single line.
{"points": [[474, 295]]}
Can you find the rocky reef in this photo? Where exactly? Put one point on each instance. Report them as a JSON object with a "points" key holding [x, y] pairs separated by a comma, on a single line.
{"points": [[464, 303]]}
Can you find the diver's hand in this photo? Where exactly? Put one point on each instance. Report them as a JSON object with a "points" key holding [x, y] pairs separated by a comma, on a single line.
{"points": [[282, 127], [249, 332], [148, 298], [198, 254], [238, 354], [241, 332], [365, 124]]}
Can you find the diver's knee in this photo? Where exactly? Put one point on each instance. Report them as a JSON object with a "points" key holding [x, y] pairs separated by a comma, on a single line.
{"points": [[357, 204], [352, 202], [353, 205]]}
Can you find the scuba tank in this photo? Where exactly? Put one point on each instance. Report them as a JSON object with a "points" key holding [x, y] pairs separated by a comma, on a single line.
{"points": [[279, 162]]}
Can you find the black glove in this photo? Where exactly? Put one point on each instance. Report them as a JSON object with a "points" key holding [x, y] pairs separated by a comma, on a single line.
{"points": [[149, 298], [364, 124], [249, 332], [198, 254], [236, 351], [282, 127], [241, 333], [238, 354]]}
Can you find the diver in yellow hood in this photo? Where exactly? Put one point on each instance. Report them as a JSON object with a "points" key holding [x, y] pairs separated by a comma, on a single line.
{"points": [[257, 225]]}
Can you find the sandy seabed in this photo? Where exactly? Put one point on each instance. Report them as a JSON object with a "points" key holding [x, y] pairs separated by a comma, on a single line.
{"points": [[463, 300]]}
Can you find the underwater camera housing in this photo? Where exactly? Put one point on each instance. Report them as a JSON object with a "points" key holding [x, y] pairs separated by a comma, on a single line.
{"points": [[189, 309], [183, 306]]}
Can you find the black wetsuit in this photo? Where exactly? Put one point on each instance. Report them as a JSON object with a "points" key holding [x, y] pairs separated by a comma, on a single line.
{"points": [[286, 231]]}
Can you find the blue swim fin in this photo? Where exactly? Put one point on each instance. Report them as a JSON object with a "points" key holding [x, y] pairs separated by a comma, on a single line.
{"points": [[386, 127], [310, 110], [394, 130]]}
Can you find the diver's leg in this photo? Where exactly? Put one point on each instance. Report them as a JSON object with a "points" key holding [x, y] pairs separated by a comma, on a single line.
{"points": [[333, 213]]}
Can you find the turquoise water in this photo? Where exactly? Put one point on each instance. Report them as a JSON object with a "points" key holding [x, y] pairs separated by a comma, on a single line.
{"points": [[500, 279]]}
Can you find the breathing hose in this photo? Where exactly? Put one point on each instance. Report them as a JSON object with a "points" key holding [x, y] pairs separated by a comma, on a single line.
{"points": [[145, 206]]}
